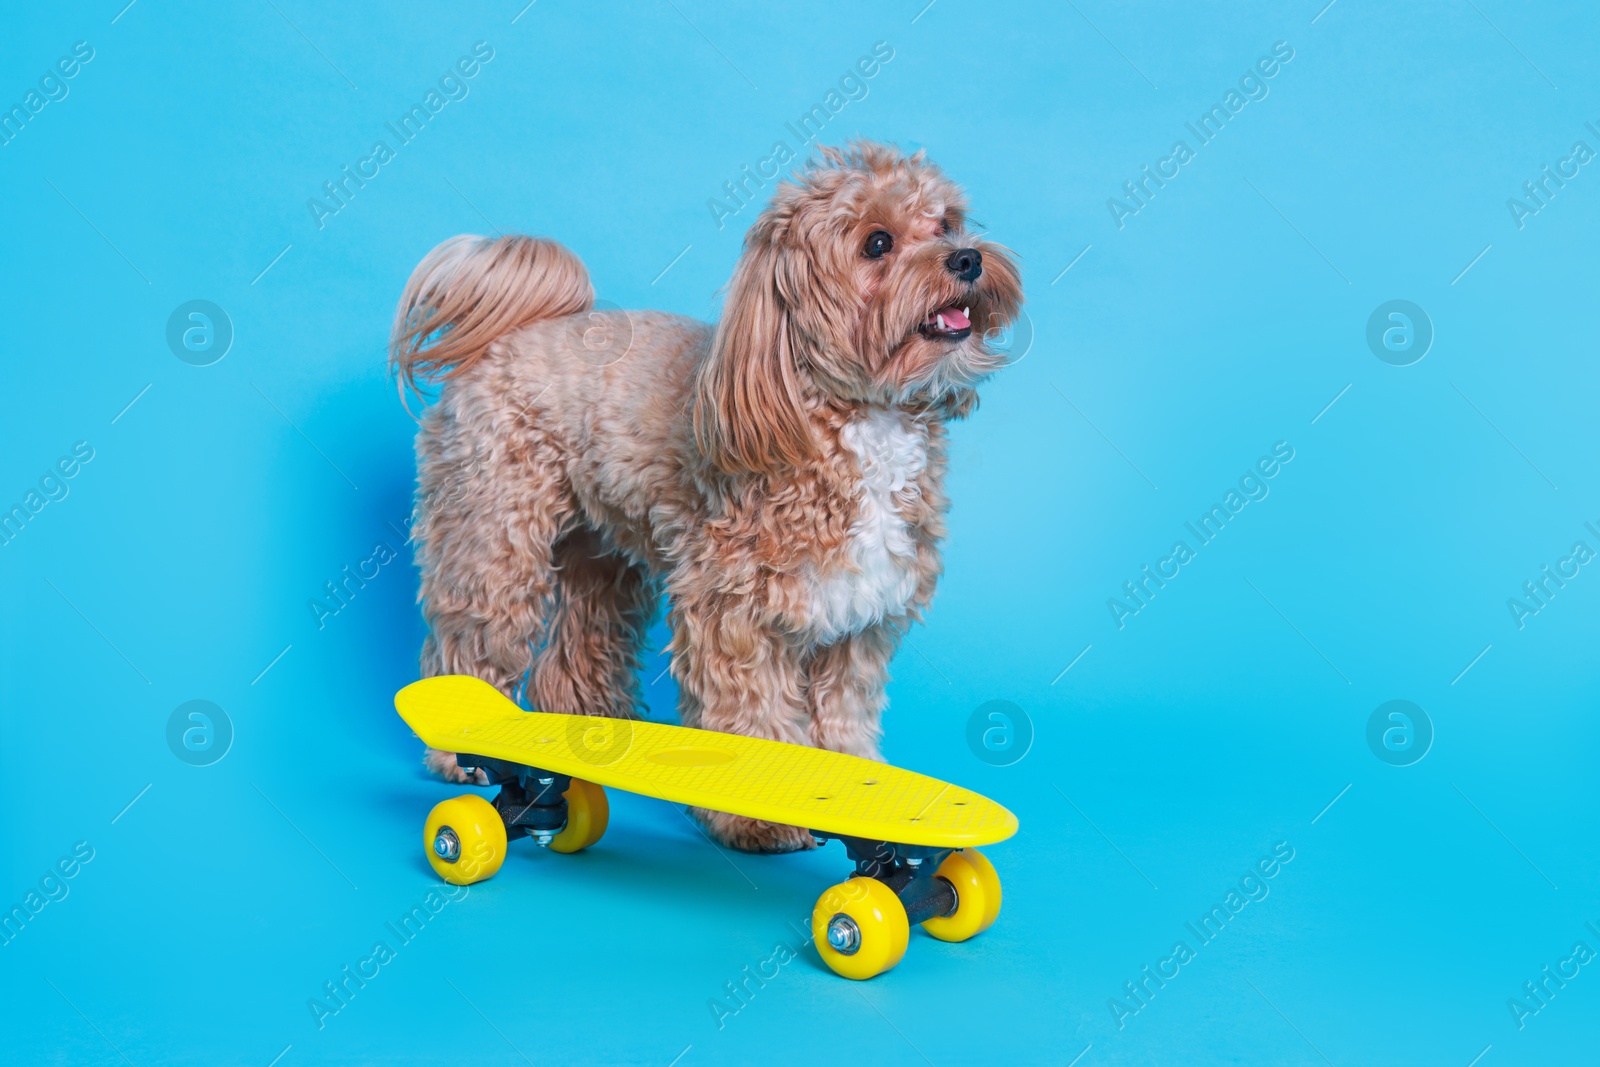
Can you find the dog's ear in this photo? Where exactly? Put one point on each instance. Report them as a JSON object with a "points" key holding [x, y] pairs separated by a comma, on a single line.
{"points": [[749, 411]]}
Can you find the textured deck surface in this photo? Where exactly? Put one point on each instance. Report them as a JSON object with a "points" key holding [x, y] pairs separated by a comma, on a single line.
{"points": [[770, 780]]}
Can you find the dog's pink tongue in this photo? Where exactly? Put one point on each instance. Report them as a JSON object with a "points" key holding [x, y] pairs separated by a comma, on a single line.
{"points": [[954, 318]]}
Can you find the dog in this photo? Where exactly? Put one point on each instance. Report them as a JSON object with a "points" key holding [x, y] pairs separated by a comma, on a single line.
{"points": [[778, 476]]}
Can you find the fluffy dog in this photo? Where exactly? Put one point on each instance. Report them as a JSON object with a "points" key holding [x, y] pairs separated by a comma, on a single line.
{"points": [[779, 475]]}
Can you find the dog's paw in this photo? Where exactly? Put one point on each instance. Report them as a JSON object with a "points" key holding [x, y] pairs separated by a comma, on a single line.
{"points": [[445, 766], [753, 835]]}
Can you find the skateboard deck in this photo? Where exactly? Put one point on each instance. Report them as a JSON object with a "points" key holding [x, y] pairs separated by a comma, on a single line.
{"points": [[836, 794]]}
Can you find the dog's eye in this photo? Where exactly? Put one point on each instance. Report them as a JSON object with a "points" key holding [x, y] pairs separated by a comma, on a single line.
{"points": [[879, 242], [944, 225]]}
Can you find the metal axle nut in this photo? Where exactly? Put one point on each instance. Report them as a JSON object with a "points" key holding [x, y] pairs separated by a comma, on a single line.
{"points": [[844, 936]]}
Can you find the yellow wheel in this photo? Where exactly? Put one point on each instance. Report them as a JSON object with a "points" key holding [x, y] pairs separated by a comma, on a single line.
{"points": [[465, 839], [588, 811], [860, 928], [977, 889]]}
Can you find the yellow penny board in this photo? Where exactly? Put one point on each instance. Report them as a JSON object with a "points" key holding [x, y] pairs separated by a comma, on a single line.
{"points": [[772, 780]]}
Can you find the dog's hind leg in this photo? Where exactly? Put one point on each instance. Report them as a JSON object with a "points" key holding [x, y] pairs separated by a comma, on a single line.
{"points": [[485, 531], [603, 606]]}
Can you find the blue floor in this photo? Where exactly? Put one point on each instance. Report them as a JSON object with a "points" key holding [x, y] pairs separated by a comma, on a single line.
{"points": [[1353, 318]]}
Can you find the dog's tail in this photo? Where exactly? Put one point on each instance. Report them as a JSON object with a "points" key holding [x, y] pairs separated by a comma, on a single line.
{"points": [[470, 291]]}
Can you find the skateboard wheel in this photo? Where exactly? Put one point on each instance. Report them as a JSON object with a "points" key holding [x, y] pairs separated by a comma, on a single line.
{"points": [[977, 888], [588, 811], [860, 928], [464, 839]]}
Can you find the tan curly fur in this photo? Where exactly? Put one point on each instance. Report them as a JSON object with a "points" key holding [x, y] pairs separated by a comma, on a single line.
{"points": [[778, 476]]}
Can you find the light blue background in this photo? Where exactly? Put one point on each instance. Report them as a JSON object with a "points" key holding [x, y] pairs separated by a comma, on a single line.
{"points": [[1222, 719]]}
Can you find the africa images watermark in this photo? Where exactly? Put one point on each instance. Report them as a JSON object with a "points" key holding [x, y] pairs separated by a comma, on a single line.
{"points": [[1252, 887], [52, 88], [337, 596], [452, 86], [1538, 192], [1252, 487], [52, 888], [53, 486], [739, 993], [338, 992], [1538, 592], [741, 191], [1252, 86], [1537, 995]]}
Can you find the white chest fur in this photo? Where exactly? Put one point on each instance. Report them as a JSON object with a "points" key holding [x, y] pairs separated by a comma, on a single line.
{"points": [[877, 576]]}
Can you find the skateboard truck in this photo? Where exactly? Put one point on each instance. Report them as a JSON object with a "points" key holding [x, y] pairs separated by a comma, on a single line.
{"points": [[908, 871], [530, 801]]}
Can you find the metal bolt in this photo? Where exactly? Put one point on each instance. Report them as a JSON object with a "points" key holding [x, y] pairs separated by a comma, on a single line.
{"points": [[913, 862], [446, 845], [844, 936]]}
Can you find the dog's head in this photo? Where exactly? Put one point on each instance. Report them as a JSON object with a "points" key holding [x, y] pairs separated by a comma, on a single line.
{"points": [[858, 284]]}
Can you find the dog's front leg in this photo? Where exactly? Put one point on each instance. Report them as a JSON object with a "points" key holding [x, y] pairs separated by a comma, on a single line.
{"points": [[739, 675], [845, 690]]}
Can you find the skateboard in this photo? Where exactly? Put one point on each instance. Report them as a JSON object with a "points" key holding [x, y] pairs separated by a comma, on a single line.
{"points": [[910, 837]]}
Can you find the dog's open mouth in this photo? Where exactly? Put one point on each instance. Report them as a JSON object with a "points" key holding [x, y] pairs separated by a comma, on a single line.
{"points": [[947, 324]]}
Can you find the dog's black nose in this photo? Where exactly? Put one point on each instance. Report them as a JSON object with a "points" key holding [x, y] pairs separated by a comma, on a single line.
{"points": [[965, 263]]}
